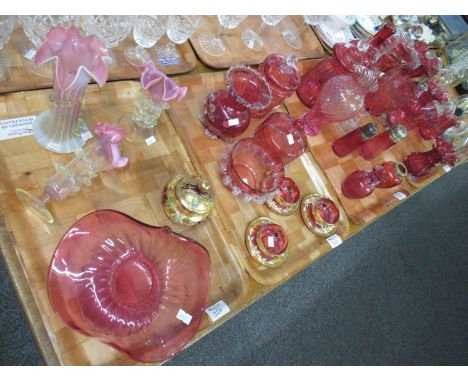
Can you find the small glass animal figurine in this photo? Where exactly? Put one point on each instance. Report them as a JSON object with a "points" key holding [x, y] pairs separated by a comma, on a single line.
{"points": [[381, 142], [351, 141], [103, 154], [157, 90], [361, 184]]}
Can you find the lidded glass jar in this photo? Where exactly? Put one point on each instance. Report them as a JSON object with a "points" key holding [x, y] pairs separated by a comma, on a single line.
{"points": [[378, 144], [351, 141]]}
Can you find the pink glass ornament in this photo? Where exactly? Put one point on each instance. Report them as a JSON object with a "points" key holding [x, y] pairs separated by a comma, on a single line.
{"points": [[382, 142], [224, 117], [125, 282], [283, 77], [282, 137], [251, 172], [420, 163], [340, 99], [351, 141], [343, 61], [77, 59], [361, 184]]}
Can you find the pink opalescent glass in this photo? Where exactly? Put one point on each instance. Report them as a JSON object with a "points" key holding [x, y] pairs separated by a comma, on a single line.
{"points": [[280, 135], [223, 116], [351, 141], [381, 142], [124, 282]]}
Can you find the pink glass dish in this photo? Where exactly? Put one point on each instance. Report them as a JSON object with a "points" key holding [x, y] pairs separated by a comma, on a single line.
{"points": [[126, 283]]}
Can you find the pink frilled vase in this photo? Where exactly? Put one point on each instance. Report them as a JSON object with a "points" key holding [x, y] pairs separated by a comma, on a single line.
{"points": [[76, 60]]}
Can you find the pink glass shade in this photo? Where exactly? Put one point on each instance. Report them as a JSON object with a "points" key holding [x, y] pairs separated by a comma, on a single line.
{"points": [[273, 238], [160, 87], [124, 282], [283, 77], [345, 57], [251, 172], [395, 89], [361, 184], [74, 53], [382, 142], [340, 99], [351, 141], [420, 163], [223, 116], [249, 87], [280, 135]]}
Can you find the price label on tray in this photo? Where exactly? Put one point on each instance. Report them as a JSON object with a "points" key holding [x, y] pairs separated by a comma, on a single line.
{"points": [[218, 310], [86, 136], [334, 240], [399, 195], [184, 317], [447, 168], [30, 54], [168, 60], [150, 140], [16, 127]]}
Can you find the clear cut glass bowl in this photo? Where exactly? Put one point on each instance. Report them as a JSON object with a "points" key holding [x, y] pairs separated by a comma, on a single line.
{"points": [[138, 288]]}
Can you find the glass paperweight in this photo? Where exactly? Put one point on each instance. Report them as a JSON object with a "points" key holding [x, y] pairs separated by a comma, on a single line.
{"points": [[252, 38], [382, 142], [286, 201], [139, 288], [188, 200], [282, 136], [251, 172], [267, 242], [77, 60], [320, 214], [249, 88], [223, 116], [420, 163], [157, 90], [103, 154], [361, 184], [351, 141], [212, 43]]}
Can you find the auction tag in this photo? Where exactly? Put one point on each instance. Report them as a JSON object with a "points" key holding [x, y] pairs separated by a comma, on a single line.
{"points": [[168, 60], [16, 127], [447, 168], [233, 122], [86, 136], [150, 140], [30, 54], [399, 195], [290, 139], [218, 310], [271, 241], [184, 317], [334, 240]]}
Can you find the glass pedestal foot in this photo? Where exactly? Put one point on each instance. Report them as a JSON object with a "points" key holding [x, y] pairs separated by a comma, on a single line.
{"points": [[252, 40], [136, 55], [135, 134], [292, 39], [211, 44], [35, 205]]}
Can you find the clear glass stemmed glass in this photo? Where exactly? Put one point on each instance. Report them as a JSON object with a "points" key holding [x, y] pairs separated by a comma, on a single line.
{"points": [[7, 24], [213, 43], [252, 39]]}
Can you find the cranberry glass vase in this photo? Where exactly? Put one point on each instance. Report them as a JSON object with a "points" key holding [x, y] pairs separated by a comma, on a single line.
{"points": [[224, 117], [351, 141], [377, 145], [420, 163], [125, 282], [251, 172], [282, 137], [439, 119], [361, 184]]}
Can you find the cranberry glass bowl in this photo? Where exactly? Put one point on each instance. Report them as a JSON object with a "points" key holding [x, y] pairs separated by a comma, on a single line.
{"points": [[125, 282]]}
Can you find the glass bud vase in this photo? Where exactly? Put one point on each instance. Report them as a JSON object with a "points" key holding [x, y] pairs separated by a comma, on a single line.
{"points": [[420, 163], [361, 184], [77, 60]]}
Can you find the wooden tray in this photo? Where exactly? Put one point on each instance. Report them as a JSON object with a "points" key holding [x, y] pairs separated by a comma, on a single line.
{"points": [[361, 211], [237, 52], [23, 79], [134, 190], [305, 247]]}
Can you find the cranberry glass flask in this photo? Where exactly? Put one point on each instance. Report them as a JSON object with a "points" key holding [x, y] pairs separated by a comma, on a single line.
{"points": [[377, 145], [351, 141]]}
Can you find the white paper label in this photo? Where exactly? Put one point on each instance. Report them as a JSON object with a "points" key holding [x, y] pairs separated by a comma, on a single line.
{"points": [[30, 54], [86, 136], [245, 180], [184, 317], [168, 60], [233, 122], [334, 240], [218, 310], [16, 127], [399, 195], [447, 168], [150, 140], [290, 139], [271, 241]]}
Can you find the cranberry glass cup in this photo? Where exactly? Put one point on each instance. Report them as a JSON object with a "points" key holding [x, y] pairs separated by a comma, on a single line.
{"points": [[125, 282]]}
